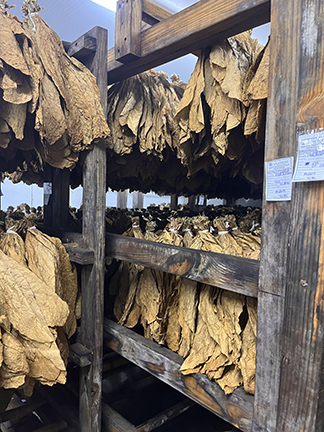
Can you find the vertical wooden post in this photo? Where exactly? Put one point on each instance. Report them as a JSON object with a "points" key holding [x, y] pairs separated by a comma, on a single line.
{"points": [[56, 212], [174, 202], [289, 393], [128, 24], [122, 199], [94, 206], [138, 200]]}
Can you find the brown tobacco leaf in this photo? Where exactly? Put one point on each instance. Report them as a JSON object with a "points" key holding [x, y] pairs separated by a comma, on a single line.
{"points": [[13, 246], [10, 51], [30, 304], [14, 366]]}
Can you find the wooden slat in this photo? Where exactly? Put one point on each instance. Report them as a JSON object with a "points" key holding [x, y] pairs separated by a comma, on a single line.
{"points": [[152, 13], [17, 414], [80, 255], [199, 25], [224, 271], [80, 355], [165, 416], [93, 276], [165, 365], [114, 422], [128, 22], [82, 47], [289, 387]]}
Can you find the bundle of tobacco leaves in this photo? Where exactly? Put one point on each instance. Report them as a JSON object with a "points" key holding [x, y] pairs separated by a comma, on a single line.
{"points": [[50, 107], [212, 329], [37, 309], [221, 115]]}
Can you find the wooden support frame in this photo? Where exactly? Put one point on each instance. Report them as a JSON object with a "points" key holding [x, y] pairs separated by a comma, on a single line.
{"points": [[225, 271], [289, 375], [195, 27], [165, 365]]}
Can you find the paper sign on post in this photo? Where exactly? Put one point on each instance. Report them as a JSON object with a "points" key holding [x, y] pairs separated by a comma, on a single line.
{"points": [[278, 179], [310, 158]]}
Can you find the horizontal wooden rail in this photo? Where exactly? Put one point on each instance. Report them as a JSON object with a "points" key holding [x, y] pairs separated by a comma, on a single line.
{"points": [[224, 271], [189, 30], [164, 364]]}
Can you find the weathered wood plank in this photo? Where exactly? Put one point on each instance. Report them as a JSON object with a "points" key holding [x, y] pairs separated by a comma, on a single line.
{"points": [[165, 365], [128, 22], [17, 414], [82, 47], [199, 25], [92, 277], [80, 355], [152, 13], [165, 416], [288, 395], [114, 422], [224, 271], [79, 255], [56, 212]]}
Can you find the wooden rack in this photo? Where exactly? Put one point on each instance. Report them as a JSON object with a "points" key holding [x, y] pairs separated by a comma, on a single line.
{"points": [[288, 282]]}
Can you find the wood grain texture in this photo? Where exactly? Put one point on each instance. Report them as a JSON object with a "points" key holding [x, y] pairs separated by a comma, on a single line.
{"points": [[114, 422], [165, 416], [128, 22], [164, 364], [195, 27], [289, 396], [224, 271], [80, 355], [82, 47], [79, 255], [92, 277], [152, 13]]}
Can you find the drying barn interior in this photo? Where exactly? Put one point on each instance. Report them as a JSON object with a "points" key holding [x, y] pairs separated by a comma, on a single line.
{"points": [[181, 316]]}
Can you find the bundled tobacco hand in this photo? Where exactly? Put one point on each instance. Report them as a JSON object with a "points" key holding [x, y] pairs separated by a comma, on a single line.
{"points": [[38, 300]]}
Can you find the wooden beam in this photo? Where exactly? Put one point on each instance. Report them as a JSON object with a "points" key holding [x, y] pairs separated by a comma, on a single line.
{"points": [[114, 422], [164, 364], [165, 416], [224, 271], [80, 355], [16, 414], [93, 276], [79, 255], [152, 13], [128, 22], [82, 47], [289, 374], [200, 25]]}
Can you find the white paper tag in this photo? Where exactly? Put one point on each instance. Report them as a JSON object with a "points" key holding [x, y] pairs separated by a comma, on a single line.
{"points": [[310, 158], [47, 188], [278, 179]]}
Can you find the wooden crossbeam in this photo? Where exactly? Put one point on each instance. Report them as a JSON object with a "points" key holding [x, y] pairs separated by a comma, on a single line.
{"points": [[152, 13], [224, 271], [189, 30], [164, 364]]}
